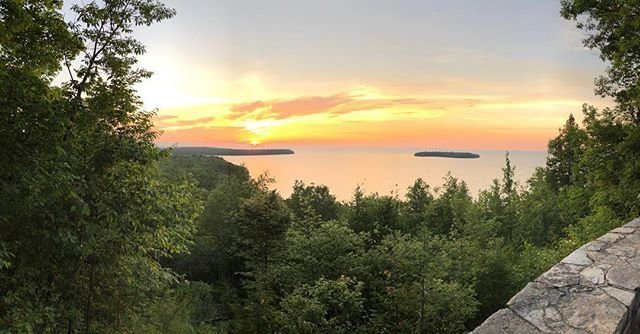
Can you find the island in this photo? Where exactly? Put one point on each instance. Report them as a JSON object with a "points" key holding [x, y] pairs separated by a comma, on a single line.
{"points": [[456, 155], [220, 151]]}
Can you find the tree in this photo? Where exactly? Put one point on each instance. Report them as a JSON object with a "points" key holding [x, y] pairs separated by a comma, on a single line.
{"points": [[374, 214], [565, 153], [411, 292], [86, 214], [313, 199], [612, 161], [508, 179], [500, 202], [263, 220], [308, 253], [540, 211], [419, 199], [214, 254], [613, 28], [326, 306], [448, 211]]}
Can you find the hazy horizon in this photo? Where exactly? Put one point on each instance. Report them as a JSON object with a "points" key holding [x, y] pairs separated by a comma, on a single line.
{"points": [[346, 147]]}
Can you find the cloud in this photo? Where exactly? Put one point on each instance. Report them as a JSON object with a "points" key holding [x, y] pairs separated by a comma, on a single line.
{"points": [[204, 135], [360, 117], [338, 104], [309, 105], [164, 117], [172, 121], [188, 122], [279, 109], [247, 107], [419, 103]]}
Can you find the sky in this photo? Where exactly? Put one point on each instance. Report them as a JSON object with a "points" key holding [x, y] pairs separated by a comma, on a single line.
{"points": [[461, 74]]}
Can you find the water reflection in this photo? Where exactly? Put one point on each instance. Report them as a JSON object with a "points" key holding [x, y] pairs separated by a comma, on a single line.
{"points": [[384, 170]]}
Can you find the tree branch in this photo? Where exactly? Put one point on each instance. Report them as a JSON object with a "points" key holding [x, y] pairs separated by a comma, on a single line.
{"points": [[97, 51]]}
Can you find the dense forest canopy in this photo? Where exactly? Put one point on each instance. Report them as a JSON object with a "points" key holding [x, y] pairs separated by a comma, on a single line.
{"points": [[102, 232]]}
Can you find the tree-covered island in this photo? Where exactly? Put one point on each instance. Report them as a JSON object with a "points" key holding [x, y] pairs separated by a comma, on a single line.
{"points": [[455, 155], [220, 151]]}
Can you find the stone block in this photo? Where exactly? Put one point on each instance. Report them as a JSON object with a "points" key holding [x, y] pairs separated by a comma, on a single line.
{"points": [[505, 322]]}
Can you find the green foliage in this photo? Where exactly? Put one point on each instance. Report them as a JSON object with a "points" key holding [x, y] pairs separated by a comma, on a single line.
{"points": [[262, 220], [448, 211], [612, 28], [307, 253], [419, 200], [540, 210], [493, 285], [214, 252], [94, 215], [182, 309], [86, 214], [532, 261], [565, 153], [209, 171], [327, 306], [34, 38], [612, 160], [410, 292], [373, 214], [500, 202], [313, 200]]}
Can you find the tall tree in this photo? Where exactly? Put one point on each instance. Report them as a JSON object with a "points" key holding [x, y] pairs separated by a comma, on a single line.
{"points": [[263, 220], [611, 154], [565, 152], [313, 199], [86, 215], [613, 28], [419, 198]]}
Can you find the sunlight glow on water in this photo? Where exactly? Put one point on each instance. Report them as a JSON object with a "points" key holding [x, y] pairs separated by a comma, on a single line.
{"points": [[384, 170]]}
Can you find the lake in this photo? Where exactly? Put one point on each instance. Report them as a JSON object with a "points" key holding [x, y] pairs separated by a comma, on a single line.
{"points": [[384, 170]]}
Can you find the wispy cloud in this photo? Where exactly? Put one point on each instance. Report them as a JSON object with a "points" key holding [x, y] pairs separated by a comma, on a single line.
{"points": [[339, 104], [169, 121], [214, 135], [164, 117], [279, 109], [365, 114]]}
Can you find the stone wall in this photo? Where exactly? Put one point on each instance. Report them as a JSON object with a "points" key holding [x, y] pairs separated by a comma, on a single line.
{"points": [[593, 290]]}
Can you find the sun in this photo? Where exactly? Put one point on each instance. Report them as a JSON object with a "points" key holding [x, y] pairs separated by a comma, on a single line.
{"points": [[258, 130]]}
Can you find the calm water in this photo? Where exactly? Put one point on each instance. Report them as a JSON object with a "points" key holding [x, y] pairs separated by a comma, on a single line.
{"points": [[383, 170]]}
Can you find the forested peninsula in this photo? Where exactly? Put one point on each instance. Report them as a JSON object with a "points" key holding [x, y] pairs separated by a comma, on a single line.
{"points": [[219, 151], [455, 155]]}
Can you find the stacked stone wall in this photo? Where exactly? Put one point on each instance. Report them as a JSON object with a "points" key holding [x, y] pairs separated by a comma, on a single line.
{"points": [[591, 291]]}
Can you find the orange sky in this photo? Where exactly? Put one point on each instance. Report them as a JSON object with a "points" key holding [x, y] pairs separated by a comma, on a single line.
{"points": [[491, 75], [365, 116]]}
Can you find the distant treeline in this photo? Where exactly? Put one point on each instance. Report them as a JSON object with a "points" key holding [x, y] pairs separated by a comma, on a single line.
{"points": [[458, 155], [228, 151]]}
